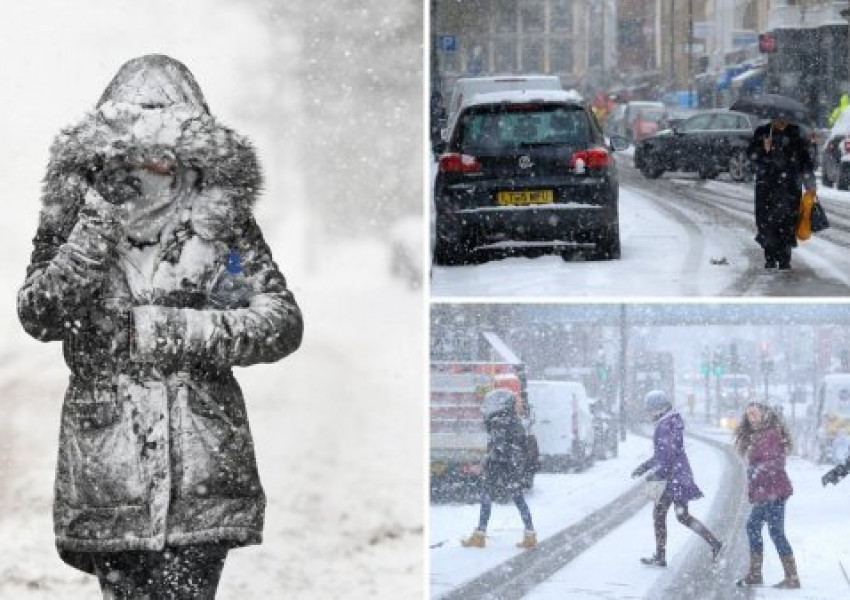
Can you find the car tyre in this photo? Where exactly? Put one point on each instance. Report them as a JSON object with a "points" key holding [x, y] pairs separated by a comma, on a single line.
{"points": [[707, 173], [607, 244], [739, 166], [650, 169], [451, 250]]}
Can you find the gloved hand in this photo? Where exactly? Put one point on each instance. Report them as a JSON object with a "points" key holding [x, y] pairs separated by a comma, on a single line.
{"points": [[835, 474], [115, 182], [637, 473], [116, 327]]}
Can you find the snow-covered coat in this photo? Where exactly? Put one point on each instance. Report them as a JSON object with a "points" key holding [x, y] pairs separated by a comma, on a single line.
{"points": [[154, 445], [669, 461], [767, 478], [780, 175], [505, 463]]}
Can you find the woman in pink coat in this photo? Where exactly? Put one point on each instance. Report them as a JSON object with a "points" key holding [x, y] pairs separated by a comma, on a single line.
{"points": [[764, 440]]}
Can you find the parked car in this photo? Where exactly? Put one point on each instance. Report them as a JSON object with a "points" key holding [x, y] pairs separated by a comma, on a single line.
{"points": [[563, 425], [709, 142], [835, 155], [524, 167], [638, 119]]}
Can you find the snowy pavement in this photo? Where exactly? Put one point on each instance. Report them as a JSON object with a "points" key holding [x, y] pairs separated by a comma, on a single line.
{"points": [[816, 527]]}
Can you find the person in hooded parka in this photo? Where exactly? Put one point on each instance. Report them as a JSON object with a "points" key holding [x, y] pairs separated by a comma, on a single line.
{"points": [[150, 269], [503, 467]]}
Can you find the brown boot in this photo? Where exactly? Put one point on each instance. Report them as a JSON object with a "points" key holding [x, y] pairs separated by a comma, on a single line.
{"points": [[478, 539], [791, 581], [529, 540], [753, 576]]}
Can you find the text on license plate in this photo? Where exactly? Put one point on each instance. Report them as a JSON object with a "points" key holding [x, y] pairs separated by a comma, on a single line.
{"points": [[525, 197]]}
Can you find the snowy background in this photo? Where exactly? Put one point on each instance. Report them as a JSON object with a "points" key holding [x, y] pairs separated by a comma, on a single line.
{"points": [[331, 93]]}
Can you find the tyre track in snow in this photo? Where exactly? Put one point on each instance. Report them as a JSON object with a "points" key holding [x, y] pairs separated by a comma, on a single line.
{"points": [[658, 192], [691, 578], [516, 577], [520, 574], [733, 208]]}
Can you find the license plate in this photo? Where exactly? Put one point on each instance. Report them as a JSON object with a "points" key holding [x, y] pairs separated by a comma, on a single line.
{"points": [[525, 197]]}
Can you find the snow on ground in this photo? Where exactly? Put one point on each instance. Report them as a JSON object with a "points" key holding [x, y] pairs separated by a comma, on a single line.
{"points": [[556, 501], [652, 262], [659, 256], [611, 569], [816, 526]]}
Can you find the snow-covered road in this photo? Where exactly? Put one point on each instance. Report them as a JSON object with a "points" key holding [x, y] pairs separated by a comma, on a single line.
{"points": [[609, 568], [681, 236]]}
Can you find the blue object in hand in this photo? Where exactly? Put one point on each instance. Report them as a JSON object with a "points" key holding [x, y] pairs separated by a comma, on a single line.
{"points": [[231, 289]]}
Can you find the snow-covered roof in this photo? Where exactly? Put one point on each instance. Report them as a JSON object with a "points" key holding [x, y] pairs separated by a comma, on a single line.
{"points": [[522, 96]]}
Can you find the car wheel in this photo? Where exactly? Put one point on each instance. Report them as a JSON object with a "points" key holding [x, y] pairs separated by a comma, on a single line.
{"points": [[706, 173], [649, 168], [607, 244], [739, 166], [450, 250]]}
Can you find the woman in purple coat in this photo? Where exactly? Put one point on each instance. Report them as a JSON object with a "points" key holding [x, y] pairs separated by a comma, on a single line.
{"points": [[670, 463], [763, 439]]}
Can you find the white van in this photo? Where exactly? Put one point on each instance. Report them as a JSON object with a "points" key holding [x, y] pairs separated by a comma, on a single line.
{"points": [[466, 87], [563, 425]]}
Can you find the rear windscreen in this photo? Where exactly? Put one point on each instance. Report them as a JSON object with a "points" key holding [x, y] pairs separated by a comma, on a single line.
{"points": [[655, 116], [494, 128]]}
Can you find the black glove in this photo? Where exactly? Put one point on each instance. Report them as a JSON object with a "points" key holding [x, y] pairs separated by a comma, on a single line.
{"points": [[110, 333], [835, 474], [115, 181], [637, 473]]}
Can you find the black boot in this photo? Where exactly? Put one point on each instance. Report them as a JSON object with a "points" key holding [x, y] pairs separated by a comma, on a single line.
{"points": [[654, 561]]}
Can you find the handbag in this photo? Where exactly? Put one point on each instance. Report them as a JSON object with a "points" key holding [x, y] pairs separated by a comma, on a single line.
{"points": [[818, 218], [803, 230]]}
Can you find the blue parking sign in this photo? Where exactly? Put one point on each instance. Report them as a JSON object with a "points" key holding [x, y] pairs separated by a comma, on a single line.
{"points": [[448, 43]]}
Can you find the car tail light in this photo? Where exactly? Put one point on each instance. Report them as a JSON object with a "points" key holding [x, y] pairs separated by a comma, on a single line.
{"points": [[591, 158], [454, 162]]}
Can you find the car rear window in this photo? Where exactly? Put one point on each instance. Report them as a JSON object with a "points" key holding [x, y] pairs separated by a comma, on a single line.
{"points": [[492, 128], [655, 116]]}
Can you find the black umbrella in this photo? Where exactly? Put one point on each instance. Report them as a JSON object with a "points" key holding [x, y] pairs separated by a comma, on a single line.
{"points": [[772, 106]]}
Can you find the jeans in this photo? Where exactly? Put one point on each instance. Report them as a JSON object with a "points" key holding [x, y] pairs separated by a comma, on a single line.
{"points": [[773, 513], [487, 505], [176, 573]]}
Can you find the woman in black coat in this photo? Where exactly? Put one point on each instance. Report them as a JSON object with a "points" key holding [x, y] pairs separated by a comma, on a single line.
{"points": [[503, 467], [782, 166]]}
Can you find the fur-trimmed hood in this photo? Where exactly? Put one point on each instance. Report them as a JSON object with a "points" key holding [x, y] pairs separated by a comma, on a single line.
{"points": [[152, 108]]}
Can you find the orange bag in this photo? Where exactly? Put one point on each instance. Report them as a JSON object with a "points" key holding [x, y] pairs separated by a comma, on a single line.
{"points": [[804, 221]]}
